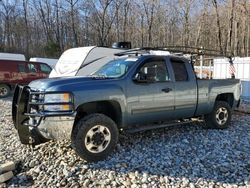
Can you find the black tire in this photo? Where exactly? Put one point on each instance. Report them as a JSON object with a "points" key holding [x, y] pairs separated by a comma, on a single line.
{"points": [[4, 90], [81, 138], [38, 137], [220, 117]]}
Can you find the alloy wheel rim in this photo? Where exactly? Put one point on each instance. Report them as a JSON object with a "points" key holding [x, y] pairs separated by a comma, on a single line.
{"points": [[97, 139], [221, 116], [3, 91]]}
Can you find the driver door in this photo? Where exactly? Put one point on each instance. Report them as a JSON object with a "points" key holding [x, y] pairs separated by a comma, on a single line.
{"points": [[150, 95]]}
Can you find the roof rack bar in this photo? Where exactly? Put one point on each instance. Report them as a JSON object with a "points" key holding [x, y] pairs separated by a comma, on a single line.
{"points": [[176, 49]]}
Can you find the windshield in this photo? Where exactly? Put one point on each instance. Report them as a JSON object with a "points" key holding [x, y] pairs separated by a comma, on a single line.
{"points": [[115, 68]]}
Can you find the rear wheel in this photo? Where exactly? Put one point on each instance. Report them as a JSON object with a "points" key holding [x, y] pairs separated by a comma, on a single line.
{"points": [[4, 90], [95, 138], [220, 117]]}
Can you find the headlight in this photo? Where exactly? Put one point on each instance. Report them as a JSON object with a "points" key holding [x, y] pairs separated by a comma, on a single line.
{"points": [[60, 97], [56, 108], [64, 98]]}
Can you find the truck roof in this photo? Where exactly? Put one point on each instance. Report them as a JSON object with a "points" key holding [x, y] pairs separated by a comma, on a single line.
{"points": [[157, 53], [11, 56]]}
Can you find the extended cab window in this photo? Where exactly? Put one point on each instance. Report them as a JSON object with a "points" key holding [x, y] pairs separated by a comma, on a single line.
{"points": [[154, 70], [32, 67], [180, 71], [45, 68], [21, 68]]}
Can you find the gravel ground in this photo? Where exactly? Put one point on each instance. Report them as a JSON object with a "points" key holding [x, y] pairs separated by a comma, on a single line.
{"points": [[186, 156]]}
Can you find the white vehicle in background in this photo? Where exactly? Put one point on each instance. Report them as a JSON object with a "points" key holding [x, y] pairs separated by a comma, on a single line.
{"points": [[51, 62], [11, 56]]}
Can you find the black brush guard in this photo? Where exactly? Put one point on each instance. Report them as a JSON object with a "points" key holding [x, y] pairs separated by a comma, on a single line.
{"points": [[21, 114], [19, 102]]}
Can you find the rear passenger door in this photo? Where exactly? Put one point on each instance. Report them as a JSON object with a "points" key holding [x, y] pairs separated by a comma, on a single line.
{"points": [[185, 88]]}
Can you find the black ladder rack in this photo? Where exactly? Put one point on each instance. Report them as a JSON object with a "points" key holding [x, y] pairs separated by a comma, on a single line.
{"points": [[176, 50]]}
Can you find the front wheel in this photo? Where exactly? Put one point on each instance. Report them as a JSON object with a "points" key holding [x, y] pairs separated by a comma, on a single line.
{"points": [[95, 138], [220, 117], [4, 90]]}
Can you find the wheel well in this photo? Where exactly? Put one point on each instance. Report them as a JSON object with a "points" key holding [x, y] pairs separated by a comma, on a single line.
{"points": [[227, 97], [111, 109]]}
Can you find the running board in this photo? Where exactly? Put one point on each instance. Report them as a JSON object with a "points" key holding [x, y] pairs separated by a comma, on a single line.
{"points": [[156, 126]]}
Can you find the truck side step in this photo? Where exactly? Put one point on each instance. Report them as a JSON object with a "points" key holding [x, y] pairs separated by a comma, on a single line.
{"points": [[157, 126]]}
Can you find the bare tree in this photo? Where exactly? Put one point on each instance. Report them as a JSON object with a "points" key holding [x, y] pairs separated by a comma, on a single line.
{"points": [[42, 27], [43, 9], [8, 11], [58, 30], [72, 4], [230, 30], [149, 7], [104, 18], [245, 17], [218, 25], [126, 9], [27, 36], [186, 4]]}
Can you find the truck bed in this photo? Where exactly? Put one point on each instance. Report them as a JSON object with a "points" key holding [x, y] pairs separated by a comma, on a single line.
{"points": [[208, 90]]}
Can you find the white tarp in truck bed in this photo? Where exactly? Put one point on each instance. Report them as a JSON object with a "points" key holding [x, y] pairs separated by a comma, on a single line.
{"points": [[82, 61], [10, 56]]}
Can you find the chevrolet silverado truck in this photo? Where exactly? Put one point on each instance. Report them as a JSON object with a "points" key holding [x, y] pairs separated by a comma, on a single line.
{"points": [[131, 93]]}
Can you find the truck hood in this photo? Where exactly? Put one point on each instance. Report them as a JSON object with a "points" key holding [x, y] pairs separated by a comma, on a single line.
{"points": [[46, 84]]}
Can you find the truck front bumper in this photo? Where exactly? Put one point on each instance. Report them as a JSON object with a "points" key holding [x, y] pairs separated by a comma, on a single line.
{"points": [[56, 127], [35, 127]]}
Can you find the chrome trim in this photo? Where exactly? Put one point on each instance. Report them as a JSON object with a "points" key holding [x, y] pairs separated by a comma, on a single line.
{"points": [[56, 127]]}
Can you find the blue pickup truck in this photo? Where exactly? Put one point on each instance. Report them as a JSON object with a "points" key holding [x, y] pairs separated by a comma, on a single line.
{"points": [[131, 93]]}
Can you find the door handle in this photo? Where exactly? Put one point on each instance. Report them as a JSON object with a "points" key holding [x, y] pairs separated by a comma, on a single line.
{"points": [[167, 90]]}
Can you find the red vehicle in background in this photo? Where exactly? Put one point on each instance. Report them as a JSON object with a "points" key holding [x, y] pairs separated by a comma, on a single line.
{"points": [[14, 72]]}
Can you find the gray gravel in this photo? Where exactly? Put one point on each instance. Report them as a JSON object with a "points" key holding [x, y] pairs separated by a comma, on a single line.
{"points": [[186, 156]]}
